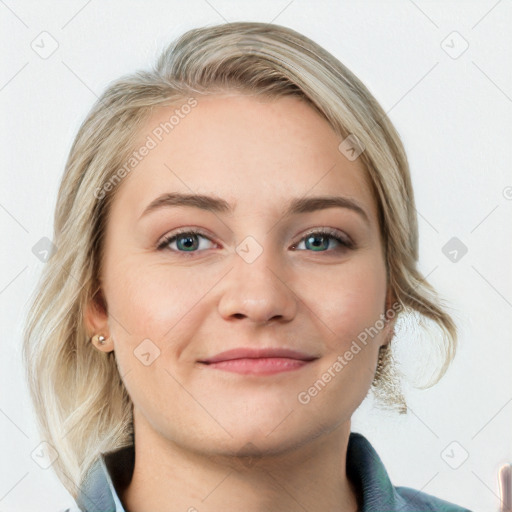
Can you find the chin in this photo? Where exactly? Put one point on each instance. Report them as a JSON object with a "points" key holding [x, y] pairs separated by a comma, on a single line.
{"points": [[272, 436], [247, 444]]}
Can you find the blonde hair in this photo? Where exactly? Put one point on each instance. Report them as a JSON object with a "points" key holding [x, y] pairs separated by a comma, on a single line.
{"points": [[81, 404]]}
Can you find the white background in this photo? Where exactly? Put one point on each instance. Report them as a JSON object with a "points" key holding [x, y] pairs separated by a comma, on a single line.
{"points": [[454, 116]]}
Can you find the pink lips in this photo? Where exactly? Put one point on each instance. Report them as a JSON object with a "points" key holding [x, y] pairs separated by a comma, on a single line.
{"points": [[259, 361]]}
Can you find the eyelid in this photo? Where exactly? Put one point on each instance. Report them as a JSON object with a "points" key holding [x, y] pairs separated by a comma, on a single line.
{"points": [[179, 231], [334, 232], [344, 239]]}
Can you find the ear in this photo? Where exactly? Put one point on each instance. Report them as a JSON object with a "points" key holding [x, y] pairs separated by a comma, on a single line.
{"points": [[390, 299], [96, 320], [391, 312]]}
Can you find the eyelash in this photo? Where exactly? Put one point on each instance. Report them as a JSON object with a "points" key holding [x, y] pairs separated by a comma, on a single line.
{"points": [[327, 232]]}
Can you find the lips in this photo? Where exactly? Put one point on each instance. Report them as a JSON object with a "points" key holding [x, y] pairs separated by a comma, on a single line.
{"points": [[264, 353], [265, 361]]}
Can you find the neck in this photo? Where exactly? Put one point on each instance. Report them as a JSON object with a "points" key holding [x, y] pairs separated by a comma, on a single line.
{"points": [[170, 478]]}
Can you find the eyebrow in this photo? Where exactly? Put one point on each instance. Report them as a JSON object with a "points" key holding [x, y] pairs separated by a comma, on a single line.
{"points": [[218, 205]]}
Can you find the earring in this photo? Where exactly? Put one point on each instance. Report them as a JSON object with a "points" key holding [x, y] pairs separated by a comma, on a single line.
{"points": [[98, 339]]}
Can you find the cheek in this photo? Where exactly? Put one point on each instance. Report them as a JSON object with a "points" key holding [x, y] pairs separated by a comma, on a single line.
{"points": [[156, 310], [352, 301], [151, 300]]}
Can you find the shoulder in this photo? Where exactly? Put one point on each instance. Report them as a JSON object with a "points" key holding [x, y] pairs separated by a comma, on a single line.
{"points": [[423, 502], [368, 473]]}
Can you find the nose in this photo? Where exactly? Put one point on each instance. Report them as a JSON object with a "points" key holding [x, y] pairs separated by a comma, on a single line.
{"points": [[260, 291]]}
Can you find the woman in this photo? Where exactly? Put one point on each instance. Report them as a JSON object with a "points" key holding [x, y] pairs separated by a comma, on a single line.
{"points": [[236, 237]]}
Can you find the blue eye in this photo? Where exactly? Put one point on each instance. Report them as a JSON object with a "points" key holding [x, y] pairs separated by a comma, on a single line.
{"points": [[186, 240], [318, 241]]}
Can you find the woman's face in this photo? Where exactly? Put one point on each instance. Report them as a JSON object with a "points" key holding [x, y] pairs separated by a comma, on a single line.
{"points": [[256, 277]]}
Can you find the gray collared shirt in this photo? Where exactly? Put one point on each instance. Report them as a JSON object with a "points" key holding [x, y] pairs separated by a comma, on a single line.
{"points": [[365, 469]]}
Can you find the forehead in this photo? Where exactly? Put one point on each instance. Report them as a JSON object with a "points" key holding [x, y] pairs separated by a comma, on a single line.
{"points": [[255, 153]]}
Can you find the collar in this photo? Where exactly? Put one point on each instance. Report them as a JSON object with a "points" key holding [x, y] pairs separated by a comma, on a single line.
{"points": [[113, 470]]}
